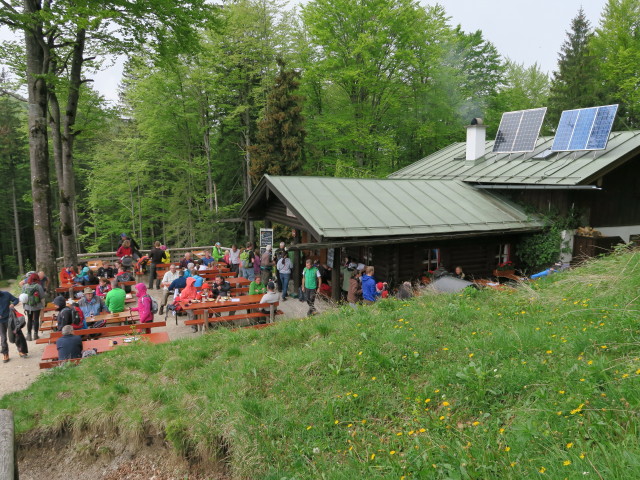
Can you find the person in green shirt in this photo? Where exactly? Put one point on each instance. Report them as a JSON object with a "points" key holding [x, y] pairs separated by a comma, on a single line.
{"points": [[218, 252], [257, 287], [115, 298], [311, 281]]}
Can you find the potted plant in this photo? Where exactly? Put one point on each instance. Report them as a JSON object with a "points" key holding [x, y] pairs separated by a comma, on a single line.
{"points": [[505, 269]]}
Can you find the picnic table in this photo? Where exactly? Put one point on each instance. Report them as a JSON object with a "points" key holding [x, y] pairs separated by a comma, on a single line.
{"points": [[110, 318], [50, 352], [203, 310]]}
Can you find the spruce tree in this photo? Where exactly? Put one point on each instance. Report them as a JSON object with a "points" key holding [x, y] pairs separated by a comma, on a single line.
{"points": [[280, 141], [574, 84]]}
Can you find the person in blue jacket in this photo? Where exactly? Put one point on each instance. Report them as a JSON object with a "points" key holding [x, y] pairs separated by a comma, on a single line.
{"points": [[369, 290]]}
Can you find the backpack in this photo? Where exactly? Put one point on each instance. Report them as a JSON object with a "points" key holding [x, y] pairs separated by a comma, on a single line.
{"points": [[141, 264], [33, 294], [127, 261], [154, 305], [246, 259], [76, 319]]}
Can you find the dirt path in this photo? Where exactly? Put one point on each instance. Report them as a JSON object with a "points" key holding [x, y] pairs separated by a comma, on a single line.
{"points": [[19, 373]]}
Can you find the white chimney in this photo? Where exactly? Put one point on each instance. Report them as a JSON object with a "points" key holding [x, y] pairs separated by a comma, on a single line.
{"points": [[476, 136]]}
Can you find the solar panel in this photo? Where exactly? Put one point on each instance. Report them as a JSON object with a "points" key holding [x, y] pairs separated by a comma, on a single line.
{"points": [[518, 131], [584, 128]]}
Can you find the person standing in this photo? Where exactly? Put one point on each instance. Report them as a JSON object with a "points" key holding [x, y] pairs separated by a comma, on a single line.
{"points": [[311, 281], [284, 268], [144, 305], [246, 265], [7, 303], [234, 259], [266, 265], [156, 255], [34, 304], [369, 290], [16, 323]]}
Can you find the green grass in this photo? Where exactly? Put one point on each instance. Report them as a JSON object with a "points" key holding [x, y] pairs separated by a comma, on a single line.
{"points": [[541, 382]]}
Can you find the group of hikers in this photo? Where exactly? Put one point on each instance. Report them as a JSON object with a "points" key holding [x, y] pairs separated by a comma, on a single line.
{"points": [[107, 286]]}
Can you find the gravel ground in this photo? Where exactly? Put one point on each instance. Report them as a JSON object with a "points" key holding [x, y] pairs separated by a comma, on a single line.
{"points": [[19, 373]]}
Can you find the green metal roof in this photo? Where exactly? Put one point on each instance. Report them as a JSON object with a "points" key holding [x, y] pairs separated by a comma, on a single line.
{"points": [[562, 168], [362, 208]]}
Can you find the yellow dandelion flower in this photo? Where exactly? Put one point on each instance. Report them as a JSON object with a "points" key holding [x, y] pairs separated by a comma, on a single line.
{"points": [[476, 423], [582, 379], [422, 430], [373, 378], [336, 422], [359, 353], [501, 430], [427, 400], [445, 348], [437, 390], [590, 362], [513, 464], [399, 434], [561, 392], [445, 404], [442, 417], [569, 445], [350, 425], [470, 355], [355, 395], [507, 449], [549, 351], [603, 346], [542, 469], [373, 455], [566, 463], [364, 421], [582, 456], [309, 427], [392, 452]]}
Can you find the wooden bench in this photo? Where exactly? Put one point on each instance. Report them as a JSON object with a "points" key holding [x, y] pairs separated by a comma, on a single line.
{"points": [[57, 363], [212, 318], [105, 331]]}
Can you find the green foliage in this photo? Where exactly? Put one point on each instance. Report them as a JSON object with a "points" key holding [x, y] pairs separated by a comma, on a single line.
{"points": [[542, 249], [491, 384], [616, 45], [574, 84]]}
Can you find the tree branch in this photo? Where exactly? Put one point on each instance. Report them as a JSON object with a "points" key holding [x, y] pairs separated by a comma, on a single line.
{"points": [[14, 95], [9, 7]]}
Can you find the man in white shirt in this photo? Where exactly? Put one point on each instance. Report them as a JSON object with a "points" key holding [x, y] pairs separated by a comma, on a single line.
{"points": [[171, 275], [234, 259]]}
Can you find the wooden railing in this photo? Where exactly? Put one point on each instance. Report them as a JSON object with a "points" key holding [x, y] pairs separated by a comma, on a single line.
{"points": [[8, 451], [111, 256]]}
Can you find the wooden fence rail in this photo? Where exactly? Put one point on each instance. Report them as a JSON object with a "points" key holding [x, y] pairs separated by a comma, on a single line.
{"points": [[8, 451], [111, 256]]}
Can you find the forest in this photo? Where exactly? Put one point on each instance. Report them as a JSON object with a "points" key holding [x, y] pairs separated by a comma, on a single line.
{"points": [[214, 96]]}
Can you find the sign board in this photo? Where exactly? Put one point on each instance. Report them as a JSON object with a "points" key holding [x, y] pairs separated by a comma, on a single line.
{"points": [[266, 238]]}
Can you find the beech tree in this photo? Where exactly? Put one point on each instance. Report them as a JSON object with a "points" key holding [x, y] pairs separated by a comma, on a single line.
{"points": [[58, 36]]}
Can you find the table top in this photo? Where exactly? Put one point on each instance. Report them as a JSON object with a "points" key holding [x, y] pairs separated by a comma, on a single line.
{"points": [[104, 344], [240, 301]]}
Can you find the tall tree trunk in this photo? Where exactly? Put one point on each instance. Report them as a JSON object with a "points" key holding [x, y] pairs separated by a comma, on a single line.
{"points": [[68, 182], [140, 214], [16, 223], [37, 65], [207, 152]]}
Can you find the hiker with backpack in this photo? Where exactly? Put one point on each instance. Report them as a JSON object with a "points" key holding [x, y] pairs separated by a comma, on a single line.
{"points": [[34, 304], [145, 305], [246, 262], [65, 315]]}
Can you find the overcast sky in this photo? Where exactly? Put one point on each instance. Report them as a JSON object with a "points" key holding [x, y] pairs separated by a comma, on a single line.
{"points": [[526, 31]]}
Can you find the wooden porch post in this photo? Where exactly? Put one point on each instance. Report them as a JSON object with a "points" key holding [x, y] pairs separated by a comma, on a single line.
{"points": [[297, 273], [335, 275]]}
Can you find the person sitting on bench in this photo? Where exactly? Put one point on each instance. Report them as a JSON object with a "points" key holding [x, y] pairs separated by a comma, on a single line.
{"points": [[69, 345]]}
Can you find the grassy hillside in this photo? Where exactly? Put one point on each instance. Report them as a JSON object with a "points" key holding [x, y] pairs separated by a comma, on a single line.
{"points": [[538, 382]]}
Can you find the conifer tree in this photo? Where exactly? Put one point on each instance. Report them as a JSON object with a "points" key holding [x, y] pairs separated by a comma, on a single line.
{"points": [[574, 84], [280, 141]]}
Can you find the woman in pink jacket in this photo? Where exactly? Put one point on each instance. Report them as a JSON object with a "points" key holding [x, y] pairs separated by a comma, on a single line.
{"points": [[144, 305]]}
